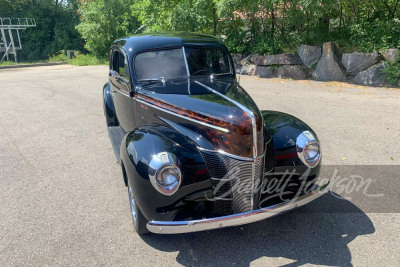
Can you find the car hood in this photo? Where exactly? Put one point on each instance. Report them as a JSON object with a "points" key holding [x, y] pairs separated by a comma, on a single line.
{"points": [[220, 102]]}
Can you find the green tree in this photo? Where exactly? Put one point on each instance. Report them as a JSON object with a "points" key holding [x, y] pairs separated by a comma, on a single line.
{"points": [[55, 30], [103, 21], [177, 15]]}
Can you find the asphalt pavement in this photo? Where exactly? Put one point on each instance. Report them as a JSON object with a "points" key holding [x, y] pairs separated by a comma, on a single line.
{"points": [[63, 200]]}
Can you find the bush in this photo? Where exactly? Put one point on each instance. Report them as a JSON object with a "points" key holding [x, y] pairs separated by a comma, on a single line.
{"points": [[80, 60], [85, 60], [391, 72], [59, 57]]}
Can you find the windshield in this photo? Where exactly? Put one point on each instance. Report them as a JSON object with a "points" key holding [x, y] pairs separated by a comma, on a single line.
{"points": [[170, 63], [207, 61]]}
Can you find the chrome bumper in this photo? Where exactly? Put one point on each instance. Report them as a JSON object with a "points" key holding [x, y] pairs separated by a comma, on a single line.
{"points": [[178, 227]]}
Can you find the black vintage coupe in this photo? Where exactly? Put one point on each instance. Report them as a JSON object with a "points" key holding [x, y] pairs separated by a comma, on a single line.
{"points": [[196, 152]]}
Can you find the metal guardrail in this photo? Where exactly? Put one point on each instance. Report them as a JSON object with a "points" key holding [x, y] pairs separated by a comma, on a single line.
{"points": [[7, 44], [17, 23]]}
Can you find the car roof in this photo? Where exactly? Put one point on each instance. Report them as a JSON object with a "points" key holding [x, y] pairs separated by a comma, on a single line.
{"points": [[136, 43]]}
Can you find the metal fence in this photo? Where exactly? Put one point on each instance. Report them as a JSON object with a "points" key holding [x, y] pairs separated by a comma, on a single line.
{"points": [[9, 28]]}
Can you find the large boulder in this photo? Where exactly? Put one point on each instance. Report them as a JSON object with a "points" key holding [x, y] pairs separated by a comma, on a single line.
{"points": [[371, 76], [328, 67], [249, 69], [237, 58], [358, 61], [246, 60], [280, 59], [264, 72], [309, 55], [391, 54], [295, 72]]}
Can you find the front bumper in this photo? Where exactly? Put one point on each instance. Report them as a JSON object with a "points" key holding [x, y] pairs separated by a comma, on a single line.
{"points": [[178, 227]]}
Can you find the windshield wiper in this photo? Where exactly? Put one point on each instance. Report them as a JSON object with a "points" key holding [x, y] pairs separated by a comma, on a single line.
{"points": [[215, 75], [153, 80]]}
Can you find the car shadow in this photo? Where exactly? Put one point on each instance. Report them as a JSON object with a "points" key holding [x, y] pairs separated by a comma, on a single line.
{"points": [[316, 234]]}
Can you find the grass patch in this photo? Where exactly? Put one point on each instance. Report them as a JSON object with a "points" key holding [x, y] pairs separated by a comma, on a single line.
{"points": [[11, 63], [86, 60], [8, 63], [80, 60]]}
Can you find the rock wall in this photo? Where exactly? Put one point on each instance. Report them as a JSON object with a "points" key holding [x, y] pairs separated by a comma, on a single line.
{"points": [[322, 64]]}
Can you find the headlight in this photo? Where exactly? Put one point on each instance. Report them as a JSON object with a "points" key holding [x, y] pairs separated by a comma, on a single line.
{"points": [[164, 173], [308, 149], [311, 151]]}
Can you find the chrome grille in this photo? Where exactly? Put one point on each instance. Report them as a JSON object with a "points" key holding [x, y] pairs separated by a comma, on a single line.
{"points": [[222, 204], [245, 189], [214, 164], [234, 189]]}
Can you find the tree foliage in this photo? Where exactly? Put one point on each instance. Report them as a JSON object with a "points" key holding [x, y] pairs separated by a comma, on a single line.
{"points": [[176, 15], [103, 21], [247, 26], [271, 26], [55, 30]]}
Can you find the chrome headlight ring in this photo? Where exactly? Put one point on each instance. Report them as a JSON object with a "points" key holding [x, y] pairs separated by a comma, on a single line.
{"points": [[308, 149], [164, 173]]}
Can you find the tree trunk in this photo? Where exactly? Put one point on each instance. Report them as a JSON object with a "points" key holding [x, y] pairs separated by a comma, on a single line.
{"points": [[272, 21], [215, 21], [341, 15], [191, 22], [394, 9]]}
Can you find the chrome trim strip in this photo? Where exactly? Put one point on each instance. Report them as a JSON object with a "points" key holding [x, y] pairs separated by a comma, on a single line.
{"points": [[226, 154], [186, 63], [234, 156], [123, 93], [117, 90], [177, 227], [253, 176], [220, 179], [184, 117], [222, 198]]}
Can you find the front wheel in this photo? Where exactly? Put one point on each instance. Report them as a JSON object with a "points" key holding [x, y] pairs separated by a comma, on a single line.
{"points": [[139, 221]]}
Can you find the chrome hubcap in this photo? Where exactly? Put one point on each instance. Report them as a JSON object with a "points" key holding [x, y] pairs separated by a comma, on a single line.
{"points": [[133, 205]]}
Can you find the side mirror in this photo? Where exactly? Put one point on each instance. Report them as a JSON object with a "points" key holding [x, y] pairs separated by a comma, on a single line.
{"points": [[246, 64], [118, 77], [113, 73]]}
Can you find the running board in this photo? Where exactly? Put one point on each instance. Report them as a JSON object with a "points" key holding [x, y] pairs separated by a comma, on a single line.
{"points": [[116, 134]]}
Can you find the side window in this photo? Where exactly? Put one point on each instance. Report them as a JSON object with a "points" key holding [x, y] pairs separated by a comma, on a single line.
{"points": [[119, 64]]}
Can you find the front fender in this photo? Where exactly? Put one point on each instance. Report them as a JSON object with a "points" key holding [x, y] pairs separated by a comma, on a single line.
{"points": [[285, 129], [137, 150], [108, 106]]}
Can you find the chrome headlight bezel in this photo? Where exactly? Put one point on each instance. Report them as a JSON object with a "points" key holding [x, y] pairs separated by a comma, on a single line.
{"points": [[164, 162], [304, 140]]}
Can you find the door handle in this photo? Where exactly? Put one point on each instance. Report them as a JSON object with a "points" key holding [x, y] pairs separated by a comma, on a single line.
{"points": [[113, 92]]}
